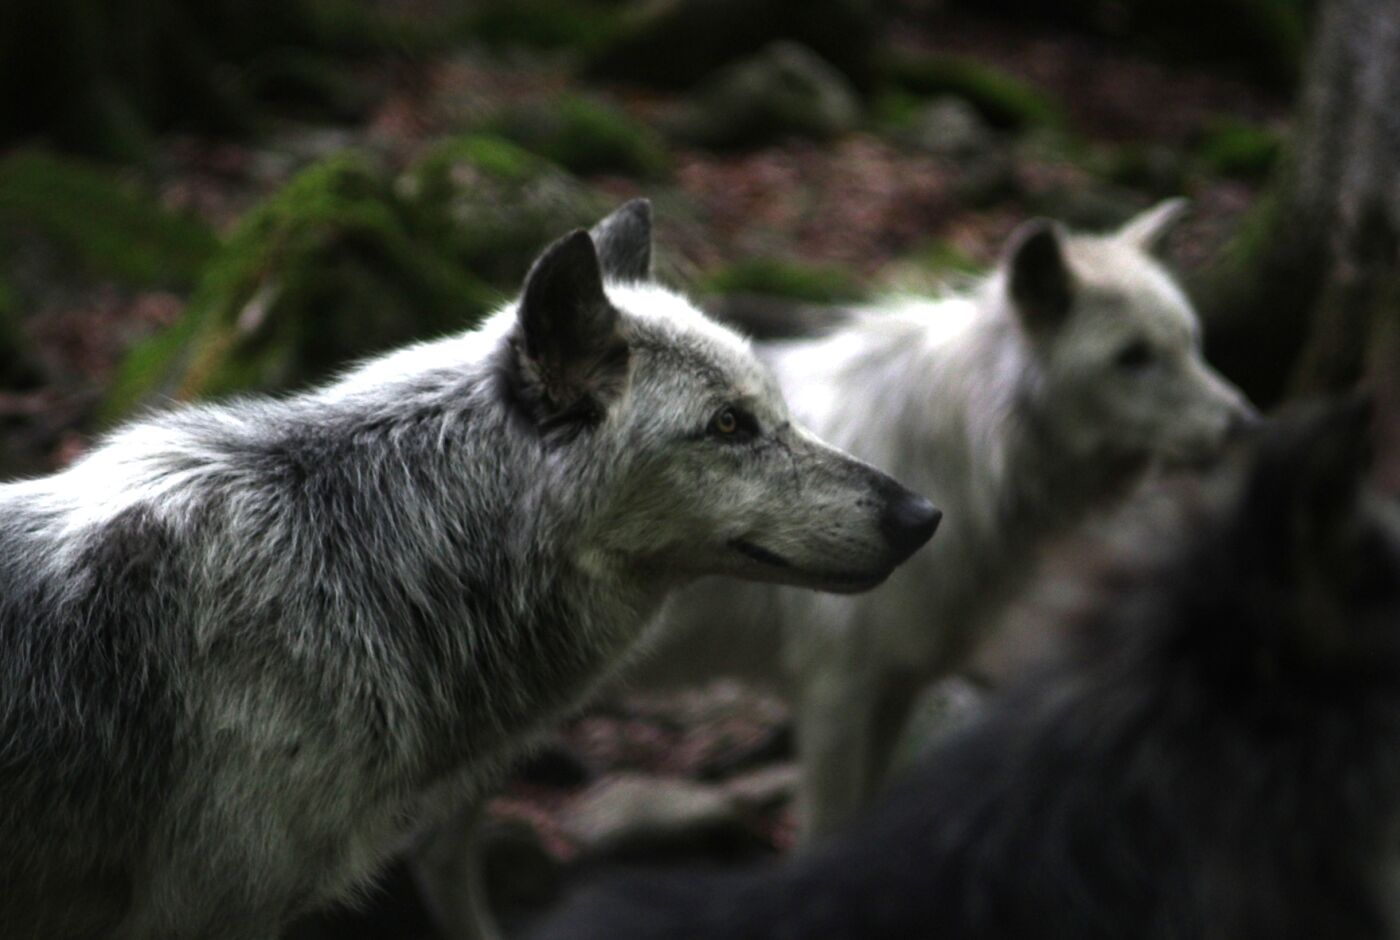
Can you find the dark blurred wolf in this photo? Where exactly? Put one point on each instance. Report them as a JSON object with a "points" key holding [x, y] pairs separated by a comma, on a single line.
{"points": [[245, 649], [1214, 752]]}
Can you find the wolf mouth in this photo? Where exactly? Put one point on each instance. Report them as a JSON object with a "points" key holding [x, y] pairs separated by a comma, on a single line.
{"points": [[824, 580], [759, 553]]}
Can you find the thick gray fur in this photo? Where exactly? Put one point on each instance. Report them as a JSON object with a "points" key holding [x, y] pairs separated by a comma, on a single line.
{"points": [[247, 648]]}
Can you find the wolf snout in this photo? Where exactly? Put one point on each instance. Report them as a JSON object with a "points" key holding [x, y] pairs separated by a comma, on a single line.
{"points": [[908, 521]]}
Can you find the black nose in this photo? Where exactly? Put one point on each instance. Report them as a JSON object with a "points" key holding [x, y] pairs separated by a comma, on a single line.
{"points": [[908, 522]]}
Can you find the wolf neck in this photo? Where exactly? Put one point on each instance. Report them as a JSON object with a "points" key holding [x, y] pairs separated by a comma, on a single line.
{"points": [[483, 613], [1034, 481]]}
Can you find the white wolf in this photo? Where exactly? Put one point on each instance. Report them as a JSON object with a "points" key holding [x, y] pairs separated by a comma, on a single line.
{"points": [[1018, 406]]}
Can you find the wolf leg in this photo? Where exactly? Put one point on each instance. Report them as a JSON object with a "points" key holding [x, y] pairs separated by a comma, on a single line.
{"points": [[835, 709], [894, 698]]}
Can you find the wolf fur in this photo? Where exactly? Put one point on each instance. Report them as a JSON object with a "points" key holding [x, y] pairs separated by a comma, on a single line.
{"points": [[1211, 751], [1021, 406], [244, 648]]}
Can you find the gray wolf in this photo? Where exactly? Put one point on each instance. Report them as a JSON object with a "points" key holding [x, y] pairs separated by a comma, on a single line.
{"points": [[1022, 405], [1210, 750], [248, 647]]}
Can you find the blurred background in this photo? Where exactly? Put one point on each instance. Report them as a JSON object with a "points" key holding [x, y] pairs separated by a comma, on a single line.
{"points": [[198, 199]]}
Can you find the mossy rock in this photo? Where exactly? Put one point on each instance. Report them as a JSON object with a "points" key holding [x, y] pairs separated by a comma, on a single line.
{"points": [[945, 260], [1003, 101], [111, 226], [776, 278], [931, 268], [574, 25], [308, 85], [1239, 149], [584, 135], [676, 43], [786, 90], [1152, 168], [331, 268], [492, 204], [894, 110], [488, 157]]}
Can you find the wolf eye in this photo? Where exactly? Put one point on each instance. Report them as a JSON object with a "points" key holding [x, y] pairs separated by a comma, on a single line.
{"points": [[1135, 355], [731, 423]]}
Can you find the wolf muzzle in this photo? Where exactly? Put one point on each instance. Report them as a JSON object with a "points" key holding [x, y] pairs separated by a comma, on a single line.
{"points": [[908, 521]]}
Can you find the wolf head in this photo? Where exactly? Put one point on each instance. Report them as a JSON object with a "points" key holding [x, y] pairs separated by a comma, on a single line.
{"points": [[683, 436], [1118, 344]]}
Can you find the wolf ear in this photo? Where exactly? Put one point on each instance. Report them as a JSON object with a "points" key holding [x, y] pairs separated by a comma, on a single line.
{"points": [[1304, 482], [623, 240], [1038, 279], [570, 357], [1146, 230]]}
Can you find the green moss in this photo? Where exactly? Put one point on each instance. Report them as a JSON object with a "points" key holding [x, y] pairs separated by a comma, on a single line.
{"points": [[17, 367], [331, 268], [1004, 101], [894, 109], [544, 24], [1153, 168], [930, 268], [492, 205], [782, 91], [112, 227], [677, 43], [585, 136], [945, 258], [491, 156], [786, 279], [1239, 149]]}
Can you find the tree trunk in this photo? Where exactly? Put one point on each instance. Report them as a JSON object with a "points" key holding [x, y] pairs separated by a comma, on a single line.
{"points": [[1308, 299]]}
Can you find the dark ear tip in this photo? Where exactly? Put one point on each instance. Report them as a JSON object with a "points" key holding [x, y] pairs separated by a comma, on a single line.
{"points": [[1038, 229], [1035, 243], [639, 208], [623, 241], [575, 246], [576, 240], [568, 262]]}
